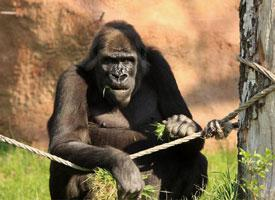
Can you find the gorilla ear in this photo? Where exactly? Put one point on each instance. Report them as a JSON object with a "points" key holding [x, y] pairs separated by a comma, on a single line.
{"points": [[145, 66], [88, 64], [142, 52], [94, 48]]}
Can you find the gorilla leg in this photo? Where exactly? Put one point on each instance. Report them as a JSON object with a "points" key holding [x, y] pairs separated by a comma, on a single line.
{"points": [[184, 177], [65, 185]]}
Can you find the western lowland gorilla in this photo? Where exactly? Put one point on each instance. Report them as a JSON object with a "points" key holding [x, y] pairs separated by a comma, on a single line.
{"points": [[104, 110]]}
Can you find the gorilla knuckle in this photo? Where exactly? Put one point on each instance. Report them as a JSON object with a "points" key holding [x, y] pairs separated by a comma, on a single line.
{"points": [[190, 130], [174, 117], [175, 130], [182, 118]]}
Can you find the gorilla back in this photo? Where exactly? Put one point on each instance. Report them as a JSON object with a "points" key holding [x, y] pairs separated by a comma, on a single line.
{"points": [[103, 111]]}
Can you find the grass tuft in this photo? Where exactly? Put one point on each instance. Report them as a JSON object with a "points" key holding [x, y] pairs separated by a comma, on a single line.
{"points": [[104, 187], [222, 182], [224, 187]]}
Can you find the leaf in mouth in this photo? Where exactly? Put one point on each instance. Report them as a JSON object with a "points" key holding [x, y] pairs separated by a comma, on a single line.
{"points": [[104, 90]]}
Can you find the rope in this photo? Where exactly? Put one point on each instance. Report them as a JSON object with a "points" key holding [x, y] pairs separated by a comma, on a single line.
{"points": [[249, 102], [223, 125], [258, 68], [41, 153]]}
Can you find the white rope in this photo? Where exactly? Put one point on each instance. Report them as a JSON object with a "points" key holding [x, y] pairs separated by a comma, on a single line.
{"points": [[41, 153]]}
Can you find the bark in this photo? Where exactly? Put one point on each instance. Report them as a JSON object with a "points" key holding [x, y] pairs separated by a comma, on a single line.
{"points": [[257, 127]]}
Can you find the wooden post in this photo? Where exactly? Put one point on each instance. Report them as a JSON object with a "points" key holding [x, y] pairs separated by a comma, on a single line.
{"points": [[257, 124]]}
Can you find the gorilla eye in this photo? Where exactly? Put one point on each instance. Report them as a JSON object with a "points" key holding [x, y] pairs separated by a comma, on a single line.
{"points": [[109, 60], [127, 60]]}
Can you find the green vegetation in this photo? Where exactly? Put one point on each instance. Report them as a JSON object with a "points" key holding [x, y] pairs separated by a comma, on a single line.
{"points": [[104, 186], [224, 186], [257, 165], [222, 172], [25, 176], [159, 130]]}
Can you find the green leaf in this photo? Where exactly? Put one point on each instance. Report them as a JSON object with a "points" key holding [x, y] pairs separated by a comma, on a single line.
{"points": [[159, 130]]}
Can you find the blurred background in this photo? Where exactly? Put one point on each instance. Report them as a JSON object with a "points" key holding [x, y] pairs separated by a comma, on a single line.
{"points": [[39, 39]]}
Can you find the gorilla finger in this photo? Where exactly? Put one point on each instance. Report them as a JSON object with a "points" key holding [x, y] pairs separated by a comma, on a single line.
{"points": [[183, 129], [169, 127], [182, 118], [121, 194], [169, 120], [119, 187], [133, 195], [174, 118], [126, 196], [190, 130], [175, 130]]}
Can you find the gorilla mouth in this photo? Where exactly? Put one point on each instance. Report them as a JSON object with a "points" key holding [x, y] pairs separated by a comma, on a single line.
{"points": [[120, 93], [115, 89], [116, 95], [117, 86], [119, 90]]}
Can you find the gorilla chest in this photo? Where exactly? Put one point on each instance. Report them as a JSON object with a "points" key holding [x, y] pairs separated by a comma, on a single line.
{"points": [[141, 112]]}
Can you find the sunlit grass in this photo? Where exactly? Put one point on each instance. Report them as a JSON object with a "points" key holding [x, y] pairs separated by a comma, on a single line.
{"points": [[26, 176], [23, 175], [222, 170]]}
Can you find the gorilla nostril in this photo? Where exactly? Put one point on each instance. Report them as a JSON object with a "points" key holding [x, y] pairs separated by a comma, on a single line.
{"points": [[114, 76], [117, 77], [123, 77]]}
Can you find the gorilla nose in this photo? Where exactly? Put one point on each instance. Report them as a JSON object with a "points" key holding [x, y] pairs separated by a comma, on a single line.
{"points": [[119, 77]]}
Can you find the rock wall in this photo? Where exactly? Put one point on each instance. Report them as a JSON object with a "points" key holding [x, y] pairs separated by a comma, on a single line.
{"points": [[41, 38]]}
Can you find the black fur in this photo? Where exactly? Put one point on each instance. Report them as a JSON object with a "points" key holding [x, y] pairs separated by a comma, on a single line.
{"points": [[137, 92]]}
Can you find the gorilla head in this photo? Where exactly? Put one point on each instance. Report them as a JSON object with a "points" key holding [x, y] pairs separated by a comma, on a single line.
{"points": [[118, 57]]}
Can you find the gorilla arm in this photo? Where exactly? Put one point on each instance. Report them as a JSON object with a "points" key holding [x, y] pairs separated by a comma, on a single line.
{"points": [[68, 126], [129, 141], [170, 99], [69, 135], [170, 102]]}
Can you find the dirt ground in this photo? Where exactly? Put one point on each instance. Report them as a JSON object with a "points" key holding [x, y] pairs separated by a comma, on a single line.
{"points": [[200, 39]]}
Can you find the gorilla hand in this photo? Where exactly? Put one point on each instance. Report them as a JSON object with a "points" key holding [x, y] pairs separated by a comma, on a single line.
{"points": [[127, 174], [180, 126]]}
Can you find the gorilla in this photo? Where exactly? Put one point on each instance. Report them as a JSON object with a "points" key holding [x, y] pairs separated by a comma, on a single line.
{"points": [[104, 110]]}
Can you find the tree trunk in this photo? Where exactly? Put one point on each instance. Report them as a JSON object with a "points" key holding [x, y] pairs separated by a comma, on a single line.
{"points": [[257, 124]]}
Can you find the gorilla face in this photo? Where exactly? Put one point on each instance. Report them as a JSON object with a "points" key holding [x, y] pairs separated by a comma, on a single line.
{"points": [[116, 69], [116, 76]]}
